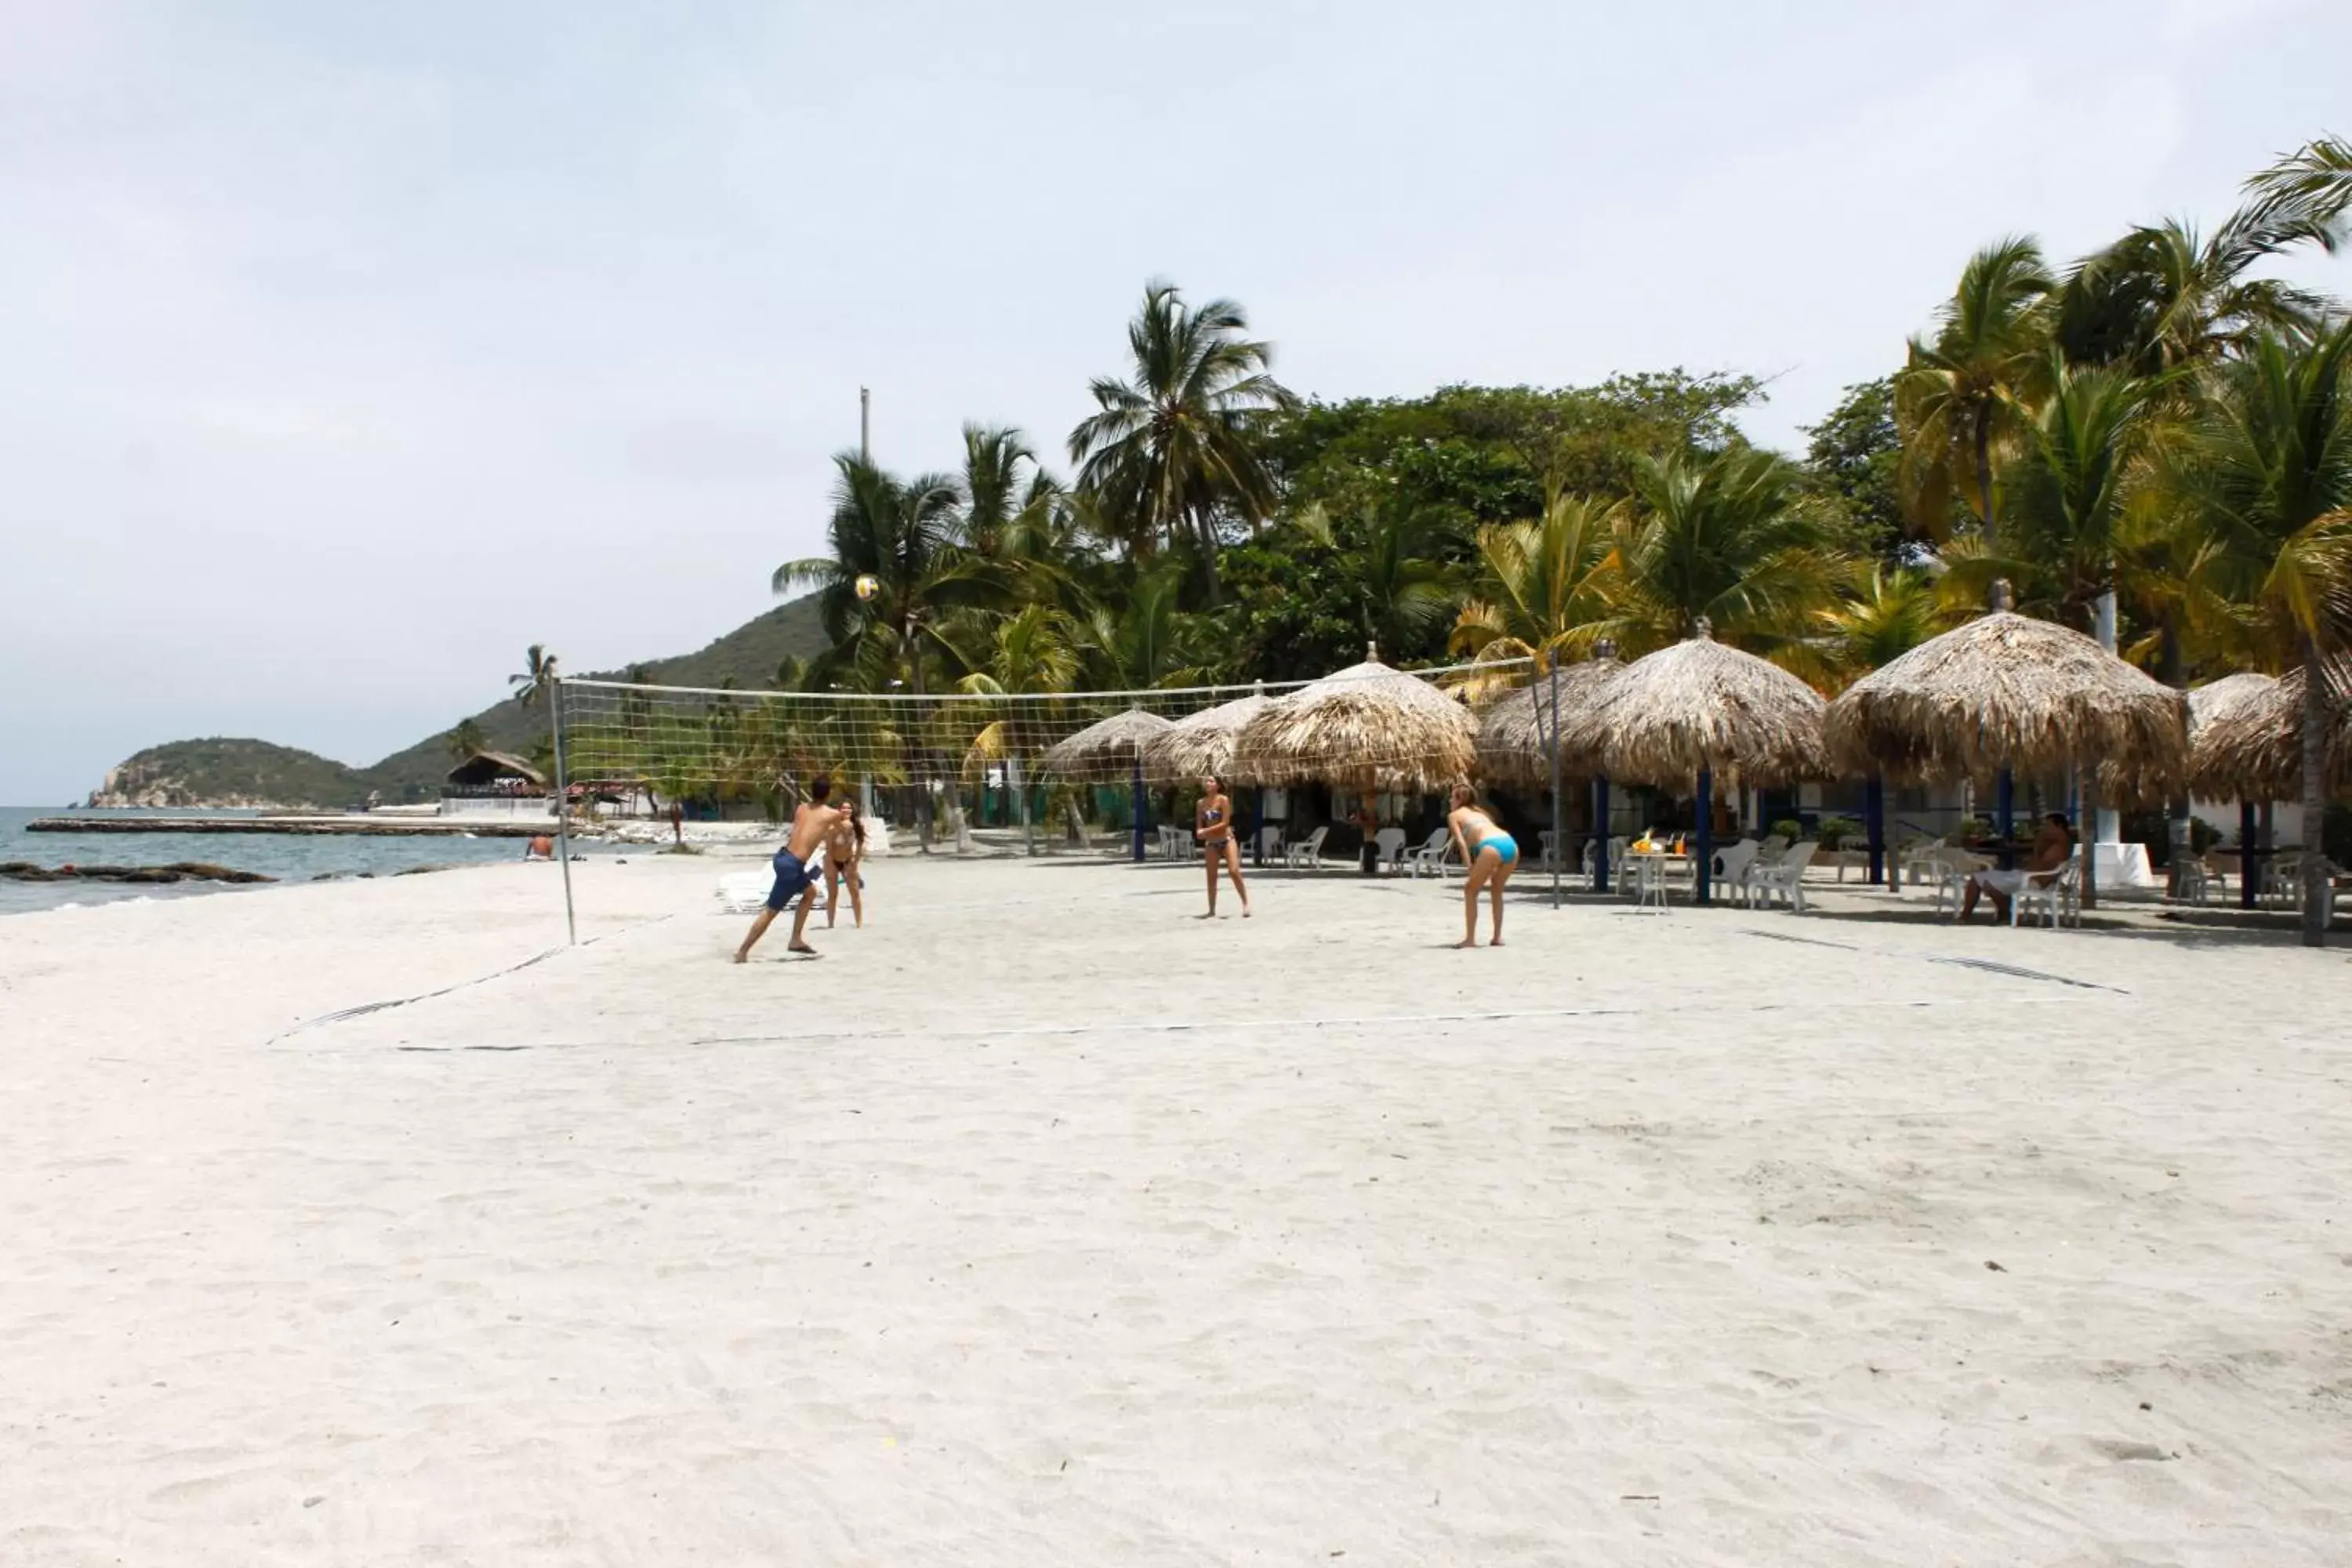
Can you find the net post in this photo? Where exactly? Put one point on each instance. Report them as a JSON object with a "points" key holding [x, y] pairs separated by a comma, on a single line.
{"points": [[563, 810], [1559, 832], [1021, 792]]}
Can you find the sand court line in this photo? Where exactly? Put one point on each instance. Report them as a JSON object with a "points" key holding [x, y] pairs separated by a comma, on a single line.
{"points": [[1368, 1023]]}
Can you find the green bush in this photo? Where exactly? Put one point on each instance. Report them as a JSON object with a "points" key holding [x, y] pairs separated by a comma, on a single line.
{"points": [[1789, 829], [1836, 831]]}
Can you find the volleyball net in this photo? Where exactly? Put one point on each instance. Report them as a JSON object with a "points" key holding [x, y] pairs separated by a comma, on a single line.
{"points": [[729, 745]]}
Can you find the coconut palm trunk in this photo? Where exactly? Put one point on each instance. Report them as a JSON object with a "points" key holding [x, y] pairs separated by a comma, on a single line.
{"points": [[2318, 893]]}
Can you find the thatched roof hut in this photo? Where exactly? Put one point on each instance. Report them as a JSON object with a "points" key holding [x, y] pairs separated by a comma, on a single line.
{"points": [[488, 769], [1700, 706], [2008, 691], [2249, 741], [1106, 750], [1513, 732], [1202, 744], [1365, 727]]}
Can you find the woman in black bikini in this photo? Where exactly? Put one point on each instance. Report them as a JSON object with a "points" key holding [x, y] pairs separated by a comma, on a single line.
{"points": [[1214, 826], [845, 857]]}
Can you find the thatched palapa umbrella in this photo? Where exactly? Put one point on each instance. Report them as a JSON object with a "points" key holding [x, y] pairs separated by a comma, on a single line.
{"points": [[1366, 728], [1683, 713], [1201, 746], [2248, 739], [2005, 693], [1105, 749], [1515, 734]]}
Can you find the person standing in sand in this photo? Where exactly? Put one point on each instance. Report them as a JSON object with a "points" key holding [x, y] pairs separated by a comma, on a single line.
{"points": [[812, 821], [844, 860], [1491, 855], [1213, 825]]}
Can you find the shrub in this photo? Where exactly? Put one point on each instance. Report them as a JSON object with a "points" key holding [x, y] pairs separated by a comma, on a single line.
{"points": [[1789, 829], [1835, 831]]}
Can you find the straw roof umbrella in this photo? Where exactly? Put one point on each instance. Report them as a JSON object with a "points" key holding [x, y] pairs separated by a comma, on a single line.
{"points": [[1681, 714], [2249, 739], [2006, 691], [1106, 750], [1699, 708], [1367, 727], [1514, 734], [1201, 746]]}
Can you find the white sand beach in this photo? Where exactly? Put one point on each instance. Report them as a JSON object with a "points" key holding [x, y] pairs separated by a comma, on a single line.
{"points": [[1039, 1223]]}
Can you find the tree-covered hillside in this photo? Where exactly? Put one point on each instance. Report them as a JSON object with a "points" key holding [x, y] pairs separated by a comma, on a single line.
{"points": [[219, 771]]}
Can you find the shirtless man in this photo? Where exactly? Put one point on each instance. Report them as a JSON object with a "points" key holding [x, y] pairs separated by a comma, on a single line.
{"points": [[812, 820], [2052, 846]]}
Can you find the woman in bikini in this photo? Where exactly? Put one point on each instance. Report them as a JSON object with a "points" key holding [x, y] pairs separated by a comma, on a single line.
{"points": [[1491, 853], [845, 853], [1213, 825]]}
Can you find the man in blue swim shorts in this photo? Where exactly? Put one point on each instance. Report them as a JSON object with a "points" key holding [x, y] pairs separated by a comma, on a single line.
{"points": [[795, 879]]}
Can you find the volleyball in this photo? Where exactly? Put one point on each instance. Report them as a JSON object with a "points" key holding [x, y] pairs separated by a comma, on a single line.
{"points": [[868, 587]]}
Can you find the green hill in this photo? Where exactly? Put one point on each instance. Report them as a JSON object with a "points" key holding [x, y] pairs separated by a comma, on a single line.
{"points": [[248, 772], [220, 771]]}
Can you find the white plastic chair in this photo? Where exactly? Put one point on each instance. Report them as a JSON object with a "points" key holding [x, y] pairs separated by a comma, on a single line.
{"points": [[1729, 868], [1307, 851], [2060, 901], [1388, 843], [1431, 859], [1646, 880], [1269, 842], [1785, 879]]}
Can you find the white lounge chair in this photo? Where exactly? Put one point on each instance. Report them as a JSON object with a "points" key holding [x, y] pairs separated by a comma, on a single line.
{"points": [[1388, 843], [1307, 851], [1785, 879], [2060, 899], [1431, 859]]}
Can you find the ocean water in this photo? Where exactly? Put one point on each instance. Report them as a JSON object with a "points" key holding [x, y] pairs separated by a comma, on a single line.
{"points": [[290, 857]]}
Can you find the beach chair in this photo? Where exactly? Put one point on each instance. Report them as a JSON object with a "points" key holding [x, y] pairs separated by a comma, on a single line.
{"points": [[1646, 879], [1729, 868], [1785, 879], [1431, 859], [2060, 901], [1269, 842], [2199, 881], [1307, 851], [1388, 845]]}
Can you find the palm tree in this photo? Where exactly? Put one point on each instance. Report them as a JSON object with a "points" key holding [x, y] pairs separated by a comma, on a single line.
{"points": [[1148, 641], [1403, 586], [1722, 539], [1957, 396], [2080, 459], [1880, 614], [2310, 188], [464, 740], [901, 534], [1174, 451], [1540, 585], [2271, 476], [537, 678], [2164, 296]]}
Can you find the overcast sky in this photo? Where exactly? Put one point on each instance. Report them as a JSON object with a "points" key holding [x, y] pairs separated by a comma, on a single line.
{"points": [[349, 348]]}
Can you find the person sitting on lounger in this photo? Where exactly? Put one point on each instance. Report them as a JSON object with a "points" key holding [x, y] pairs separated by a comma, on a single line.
{"points": [[2052, 847]]}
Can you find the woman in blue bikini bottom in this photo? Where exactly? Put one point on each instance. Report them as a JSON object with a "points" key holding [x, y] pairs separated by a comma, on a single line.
{"points": [[1491, 855]]}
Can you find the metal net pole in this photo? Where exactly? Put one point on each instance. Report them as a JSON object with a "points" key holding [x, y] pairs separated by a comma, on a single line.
{"points": [[562, 812]]}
